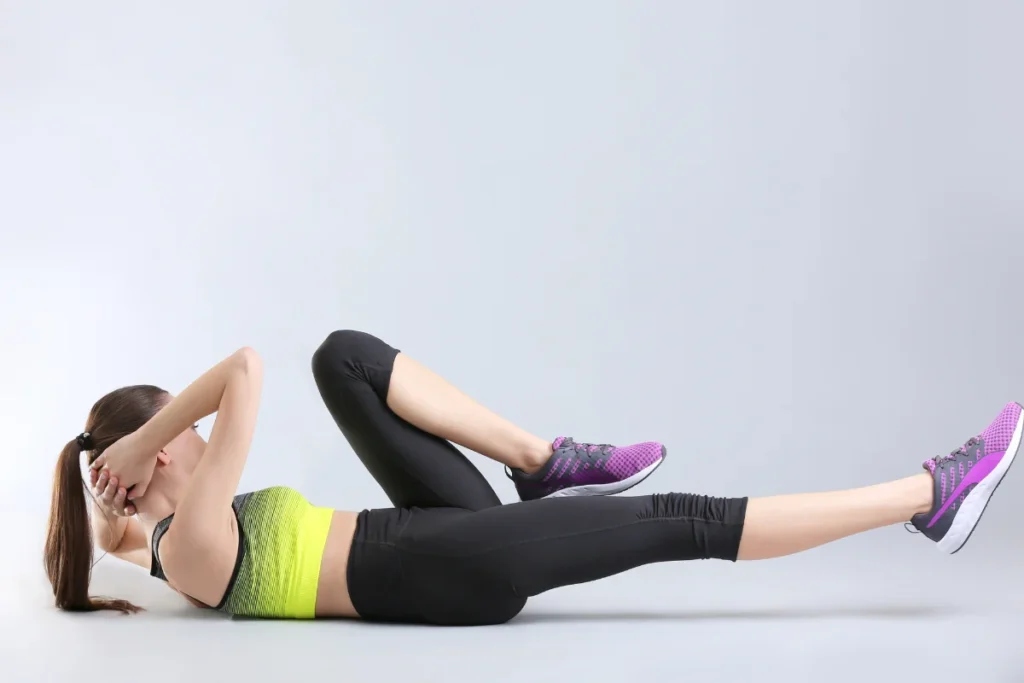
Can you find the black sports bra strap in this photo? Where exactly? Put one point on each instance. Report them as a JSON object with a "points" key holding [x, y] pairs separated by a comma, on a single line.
{"points": [[156, 569]]}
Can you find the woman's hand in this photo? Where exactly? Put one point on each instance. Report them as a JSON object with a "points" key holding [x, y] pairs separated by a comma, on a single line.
{"points": [[128, 461], [109, 497]]}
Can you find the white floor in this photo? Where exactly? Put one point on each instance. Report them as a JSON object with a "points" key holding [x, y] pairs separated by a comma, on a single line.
{"points": [[884, 608]]}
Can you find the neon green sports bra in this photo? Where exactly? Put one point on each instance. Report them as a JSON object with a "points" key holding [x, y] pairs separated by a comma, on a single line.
{"points": [[281, 541]]}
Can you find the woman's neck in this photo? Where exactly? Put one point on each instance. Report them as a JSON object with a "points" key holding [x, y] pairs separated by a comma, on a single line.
{"points": [[161, 500]]}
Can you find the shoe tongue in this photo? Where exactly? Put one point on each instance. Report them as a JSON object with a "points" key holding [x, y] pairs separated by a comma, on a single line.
{"points": [[561, 441]]}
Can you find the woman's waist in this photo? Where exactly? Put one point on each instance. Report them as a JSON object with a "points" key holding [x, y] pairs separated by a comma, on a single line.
{"points": [[332, 599]]}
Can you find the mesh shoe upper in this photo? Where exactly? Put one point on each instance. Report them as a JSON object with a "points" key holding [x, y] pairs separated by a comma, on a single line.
{"points": [[589, 468]]}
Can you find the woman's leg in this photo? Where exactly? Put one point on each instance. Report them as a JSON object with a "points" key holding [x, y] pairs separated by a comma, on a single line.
{"points": [[428, 401], [948, 500], [783, 525], [356, 372], [522, 550]]}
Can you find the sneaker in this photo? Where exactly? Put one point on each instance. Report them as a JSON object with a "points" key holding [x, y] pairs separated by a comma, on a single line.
{"points": [[966, 479], [585, 469]]}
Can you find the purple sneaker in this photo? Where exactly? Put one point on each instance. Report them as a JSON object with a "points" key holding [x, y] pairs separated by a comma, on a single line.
{"points": [[584, 469], [966, 479]]}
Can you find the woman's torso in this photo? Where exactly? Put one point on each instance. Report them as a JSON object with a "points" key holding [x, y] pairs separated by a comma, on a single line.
{"points": [[290, 561]]}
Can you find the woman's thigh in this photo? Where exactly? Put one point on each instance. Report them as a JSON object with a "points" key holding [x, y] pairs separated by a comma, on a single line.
{"points": [[416, 469], [489, 562]]}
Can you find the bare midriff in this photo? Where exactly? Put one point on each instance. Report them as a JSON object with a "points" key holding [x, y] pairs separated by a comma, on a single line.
{"points": [[332, 598]]}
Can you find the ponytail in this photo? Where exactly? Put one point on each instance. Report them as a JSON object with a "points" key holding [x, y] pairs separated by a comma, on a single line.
{"points": [[68, 552]]}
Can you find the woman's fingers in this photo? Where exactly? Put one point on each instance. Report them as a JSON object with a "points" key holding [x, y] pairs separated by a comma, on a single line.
{"points": [[101, 485], [110, 491], [108, 494], [118, 503], [98, 462], [121, 504]]}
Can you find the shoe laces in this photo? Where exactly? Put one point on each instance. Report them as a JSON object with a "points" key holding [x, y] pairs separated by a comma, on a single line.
{"points": [[973, 441], [587, 451]]}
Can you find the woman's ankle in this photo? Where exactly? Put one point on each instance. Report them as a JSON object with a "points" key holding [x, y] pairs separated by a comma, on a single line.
{"points": [[531, 457], [921, 493]]}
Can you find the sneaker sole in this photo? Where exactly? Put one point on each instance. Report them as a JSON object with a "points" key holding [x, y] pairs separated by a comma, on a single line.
{"points": [[612, 488], [974, 506]]}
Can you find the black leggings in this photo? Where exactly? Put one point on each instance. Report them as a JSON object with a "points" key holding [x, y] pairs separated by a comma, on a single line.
{"points": [[449, 552]]}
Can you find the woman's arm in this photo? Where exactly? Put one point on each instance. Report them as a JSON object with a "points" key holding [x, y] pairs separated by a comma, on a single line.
{"points": [[122, 537], [214, 482], [199, 549], [231, 389], [113, 526], [108, 530]]}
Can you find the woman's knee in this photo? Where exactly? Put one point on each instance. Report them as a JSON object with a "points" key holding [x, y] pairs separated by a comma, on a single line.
{"points": [[346, 348]]}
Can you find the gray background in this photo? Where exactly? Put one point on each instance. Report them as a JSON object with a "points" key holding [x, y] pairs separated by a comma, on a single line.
{"points": [[781, 237]]}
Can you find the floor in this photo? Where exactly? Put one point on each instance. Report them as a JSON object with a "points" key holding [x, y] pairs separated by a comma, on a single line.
{"points": [[877, 610]]}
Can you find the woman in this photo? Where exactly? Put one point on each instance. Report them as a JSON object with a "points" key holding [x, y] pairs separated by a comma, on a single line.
{"points": [[448, 552]]}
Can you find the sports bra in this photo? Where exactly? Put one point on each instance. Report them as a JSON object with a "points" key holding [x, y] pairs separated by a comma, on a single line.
{"points": [[281, 541]]}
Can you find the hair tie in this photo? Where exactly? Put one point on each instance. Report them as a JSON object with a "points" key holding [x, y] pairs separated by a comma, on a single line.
{"points": [[85, 441]]}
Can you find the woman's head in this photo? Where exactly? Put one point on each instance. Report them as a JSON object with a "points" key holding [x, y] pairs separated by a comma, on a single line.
{"points": [[68, 551]]}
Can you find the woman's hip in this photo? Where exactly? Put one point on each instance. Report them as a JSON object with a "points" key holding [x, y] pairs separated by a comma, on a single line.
{"points": [[393, 577]]}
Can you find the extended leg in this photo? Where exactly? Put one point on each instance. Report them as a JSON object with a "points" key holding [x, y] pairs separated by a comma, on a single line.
{"points": [[480, 567]]}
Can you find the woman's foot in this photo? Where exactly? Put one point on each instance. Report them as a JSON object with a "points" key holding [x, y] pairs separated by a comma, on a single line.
{"points": [[583, 469], [966, 479]]}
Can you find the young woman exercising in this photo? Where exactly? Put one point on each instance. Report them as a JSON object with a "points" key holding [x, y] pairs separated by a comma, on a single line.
{"points": [[448, 552]]}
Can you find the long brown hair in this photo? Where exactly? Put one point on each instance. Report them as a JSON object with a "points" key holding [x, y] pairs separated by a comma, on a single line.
{"points": [[68, 552]]}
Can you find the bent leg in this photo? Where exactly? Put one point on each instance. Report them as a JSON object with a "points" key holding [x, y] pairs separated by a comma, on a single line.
{"points": [[424, 399], [353, 372]]}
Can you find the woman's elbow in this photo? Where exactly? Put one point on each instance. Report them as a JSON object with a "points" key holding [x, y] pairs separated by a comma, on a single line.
{"points": [[248, 361]]}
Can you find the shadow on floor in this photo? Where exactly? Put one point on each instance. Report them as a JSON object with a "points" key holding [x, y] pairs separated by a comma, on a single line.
{"points": [[767, 614]]}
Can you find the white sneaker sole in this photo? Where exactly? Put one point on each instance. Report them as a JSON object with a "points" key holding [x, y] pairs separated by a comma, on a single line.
{"points": [[977, 500], [612, 488]]}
